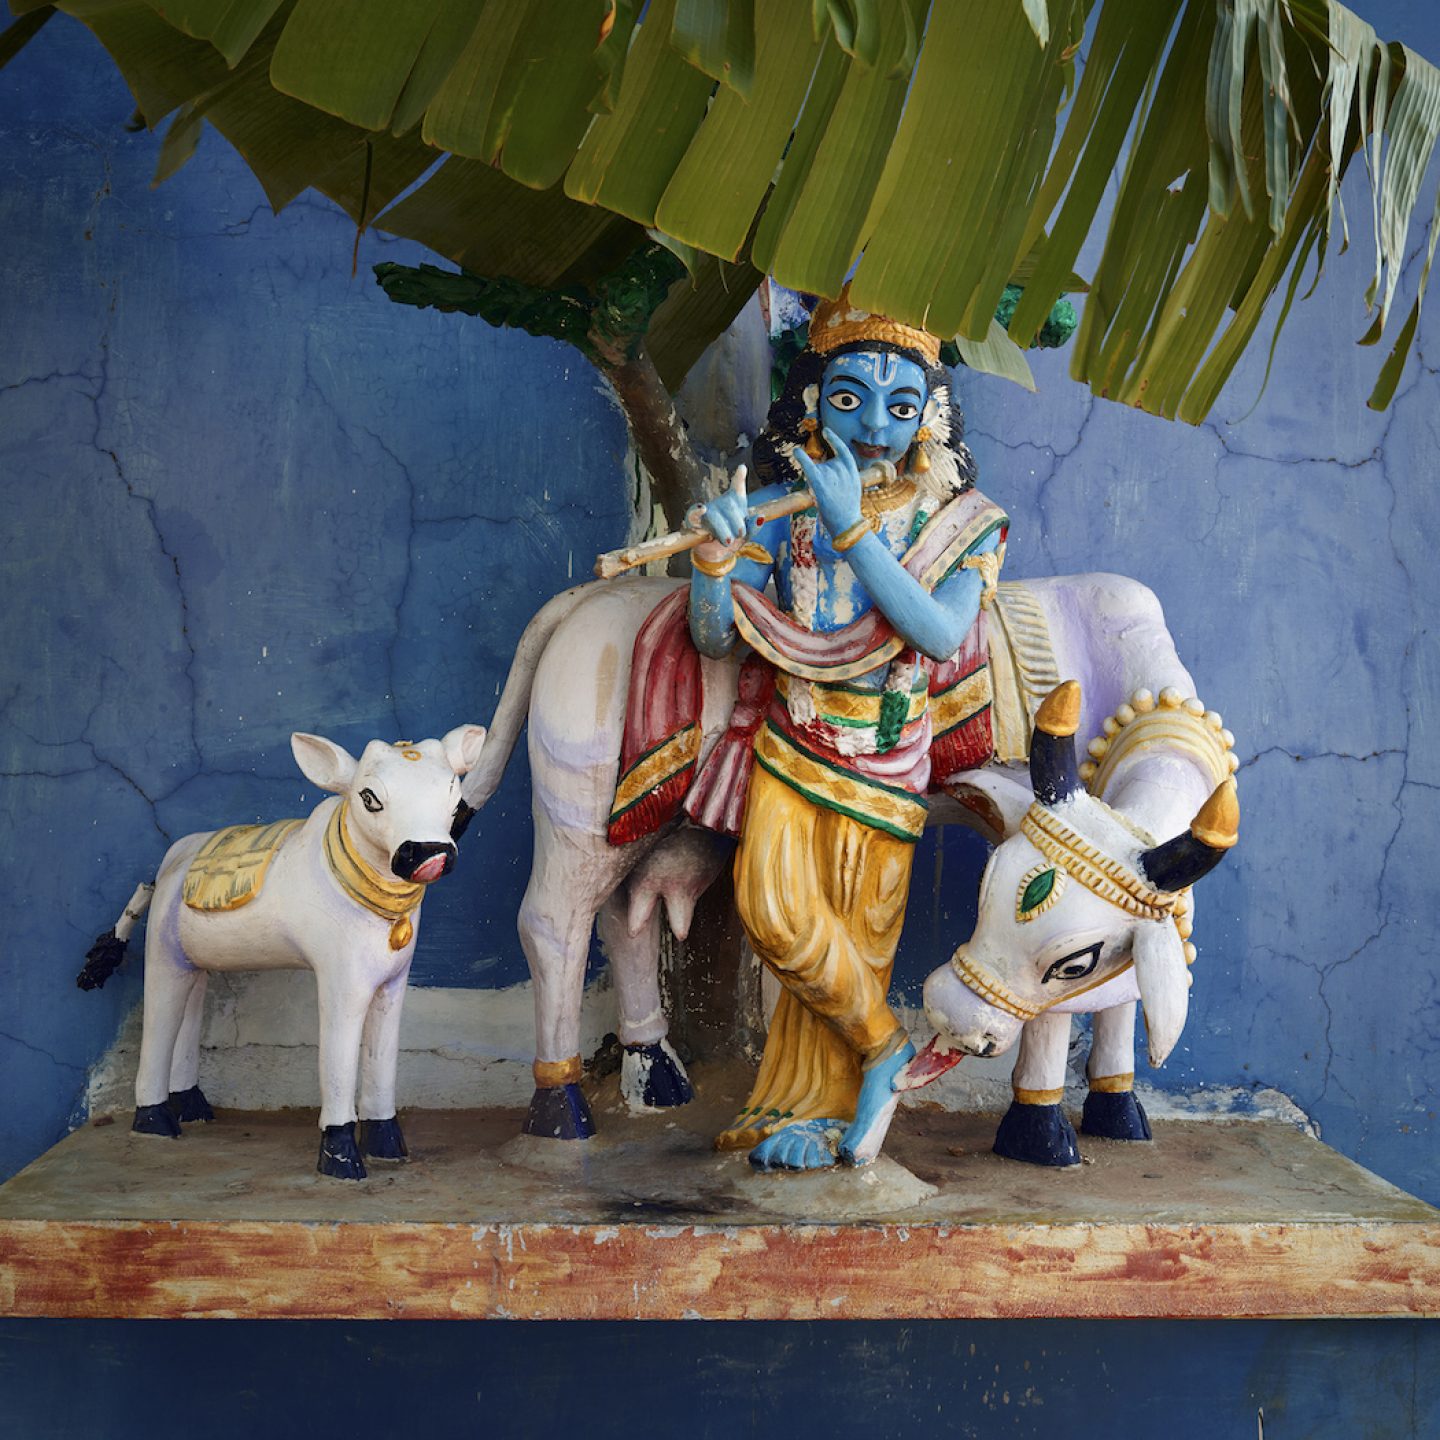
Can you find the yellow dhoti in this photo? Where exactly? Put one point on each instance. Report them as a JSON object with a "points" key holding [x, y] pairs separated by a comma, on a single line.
{"points": [[822, 898]]}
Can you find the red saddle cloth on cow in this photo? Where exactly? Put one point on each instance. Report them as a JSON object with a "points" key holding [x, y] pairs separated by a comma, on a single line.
{"points": [[659, 759]]}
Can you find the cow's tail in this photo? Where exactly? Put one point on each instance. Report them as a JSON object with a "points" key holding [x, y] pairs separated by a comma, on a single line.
{"points": [[105, 956], [482, 782]]}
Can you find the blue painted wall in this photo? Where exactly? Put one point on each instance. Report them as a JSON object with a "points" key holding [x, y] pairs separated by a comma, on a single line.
{"points": [[244, 494]]}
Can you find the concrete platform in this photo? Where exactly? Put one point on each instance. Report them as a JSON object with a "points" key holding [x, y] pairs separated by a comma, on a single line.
{"points": [[1214, 1218]]}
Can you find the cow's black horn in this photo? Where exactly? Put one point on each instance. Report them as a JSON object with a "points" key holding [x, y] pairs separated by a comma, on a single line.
{"points": [[1054, 773], [1188, 857]]}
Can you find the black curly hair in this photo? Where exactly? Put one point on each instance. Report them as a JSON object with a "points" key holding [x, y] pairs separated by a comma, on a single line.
{"points": [[783, 422]]}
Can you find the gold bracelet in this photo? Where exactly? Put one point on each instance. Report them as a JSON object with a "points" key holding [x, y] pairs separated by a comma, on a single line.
{"points": [[716, 569], [851, 536]]}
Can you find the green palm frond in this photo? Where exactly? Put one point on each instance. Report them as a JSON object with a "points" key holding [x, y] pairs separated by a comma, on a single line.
{"points": [[924, 147]]}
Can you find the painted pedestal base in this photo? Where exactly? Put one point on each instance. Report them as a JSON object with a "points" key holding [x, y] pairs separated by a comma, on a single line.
{"points": [[1214, 1218]]}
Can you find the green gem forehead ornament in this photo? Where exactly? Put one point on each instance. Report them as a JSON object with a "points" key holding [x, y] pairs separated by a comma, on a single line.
{"points": [[1039, 889]]}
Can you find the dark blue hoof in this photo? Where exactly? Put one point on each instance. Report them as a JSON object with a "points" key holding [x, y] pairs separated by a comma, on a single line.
{"points": [[339, 1156], [382, 1140], [559, 1112], [1115, 1117], [191, 1104], [1038, 1135], [156, 1120], [665, 1083]]}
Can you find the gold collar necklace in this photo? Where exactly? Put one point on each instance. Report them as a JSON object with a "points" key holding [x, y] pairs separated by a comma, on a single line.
{"points": [[392, 899]]}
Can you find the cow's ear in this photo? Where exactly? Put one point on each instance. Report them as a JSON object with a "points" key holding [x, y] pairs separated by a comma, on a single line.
{"points": [[1164, 984], [323, 762], [462, 747]]}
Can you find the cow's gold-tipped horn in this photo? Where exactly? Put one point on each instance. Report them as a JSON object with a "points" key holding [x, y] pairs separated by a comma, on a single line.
{"points": [[1054, 775], [1217, 822], [1212, 833]]}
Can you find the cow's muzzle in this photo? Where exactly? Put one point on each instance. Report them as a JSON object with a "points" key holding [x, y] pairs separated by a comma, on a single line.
{"points": [[965, 1020], [423, 860]]}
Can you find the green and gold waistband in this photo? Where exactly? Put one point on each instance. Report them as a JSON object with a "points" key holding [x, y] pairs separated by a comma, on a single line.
{"points": [[822, 782], [850, 706]]}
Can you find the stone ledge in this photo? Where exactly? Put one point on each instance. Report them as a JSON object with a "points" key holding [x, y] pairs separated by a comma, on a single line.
{"points": [[646, 1222]]}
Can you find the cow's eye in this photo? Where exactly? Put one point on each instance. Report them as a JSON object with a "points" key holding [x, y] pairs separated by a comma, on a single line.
{"points": [[371, 801], [1075, 966]]}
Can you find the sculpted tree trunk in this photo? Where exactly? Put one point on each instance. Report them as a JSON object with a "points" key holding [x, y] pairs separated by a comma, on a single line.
{"points": [[607, 323]]}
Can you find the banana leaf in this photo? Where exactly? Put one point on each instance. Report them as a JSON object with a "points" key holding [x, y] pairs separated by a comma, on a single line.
{"points": [[909, 144]]}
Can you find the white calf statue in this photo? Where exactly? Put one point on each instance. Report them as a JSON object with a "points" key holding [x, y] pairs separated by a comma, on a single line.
{"points": [[569, 679], [339, 893], [1086, 911]]}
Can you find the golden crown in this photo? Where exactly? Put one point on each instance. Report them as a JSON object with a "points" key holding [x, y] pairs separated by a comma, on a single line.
{"points": [[836, 322]]}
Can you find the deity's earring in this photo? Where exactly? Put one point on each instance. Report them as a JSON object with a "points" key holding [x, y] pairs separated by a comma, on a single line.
{"points": [[815, 447], [919, 457]]}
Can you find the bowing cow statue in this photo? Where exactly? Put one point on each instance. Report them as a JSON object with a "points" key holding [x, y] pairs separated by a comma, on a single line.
{"points": [[338, 893], [1086, 909]]}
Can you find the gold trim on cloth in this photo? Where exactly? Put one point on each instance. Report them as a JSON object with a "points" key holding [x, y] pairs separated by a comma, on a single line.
{"points": [[882, 654], [229, 869], [1112, 1084], [853, 707], [962, 701], [885, 807], [1022, 659], [1094, 869], [391, 899], [936, 571], [652, 770]]}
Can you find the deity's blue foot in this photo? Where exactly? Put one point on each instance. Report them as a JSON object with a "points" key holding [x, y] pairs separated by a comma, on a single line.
{"points": [[339, 1155], [1038, 1135], [806, 1145], [1117, 1116], [156, 1120], [874, 1108], [382, 1140], [191, 1104], [559, 1112], [653, 1077]]}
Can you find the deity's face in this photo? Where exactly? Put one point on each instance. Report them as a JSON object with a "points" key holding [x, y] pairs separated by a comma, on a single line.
{"points": [[872, 400]]}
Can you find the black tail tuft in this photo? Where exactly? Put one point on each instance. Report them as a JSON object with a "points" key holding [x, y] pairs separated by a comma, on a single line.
{"points": [[102, 961]]}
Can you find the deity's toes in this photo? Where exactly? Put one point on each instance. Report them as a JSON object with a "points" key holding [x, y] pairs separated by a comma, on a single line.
{"points": [[809, 1145]]}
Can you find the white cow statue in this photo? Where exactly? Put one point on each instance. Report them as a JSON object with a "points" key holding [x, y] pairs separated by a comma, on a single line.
{"points": [[339, 893], [1086, 910]]}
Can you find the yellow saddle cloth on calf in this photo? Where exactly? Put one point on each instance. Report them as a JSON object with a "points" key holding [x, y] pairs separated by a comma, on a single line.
{"points": [[229, 869]]}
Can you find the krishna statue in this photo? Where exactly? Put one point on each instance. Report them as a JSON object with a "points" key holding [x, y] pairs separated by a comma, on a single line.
{"points": [[864, 686]]}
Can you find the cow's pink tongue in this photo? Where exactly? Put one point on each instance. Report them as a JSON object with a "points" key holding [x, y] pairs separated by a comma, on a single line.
{"points": [[930, 1064], [432, 869]]}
